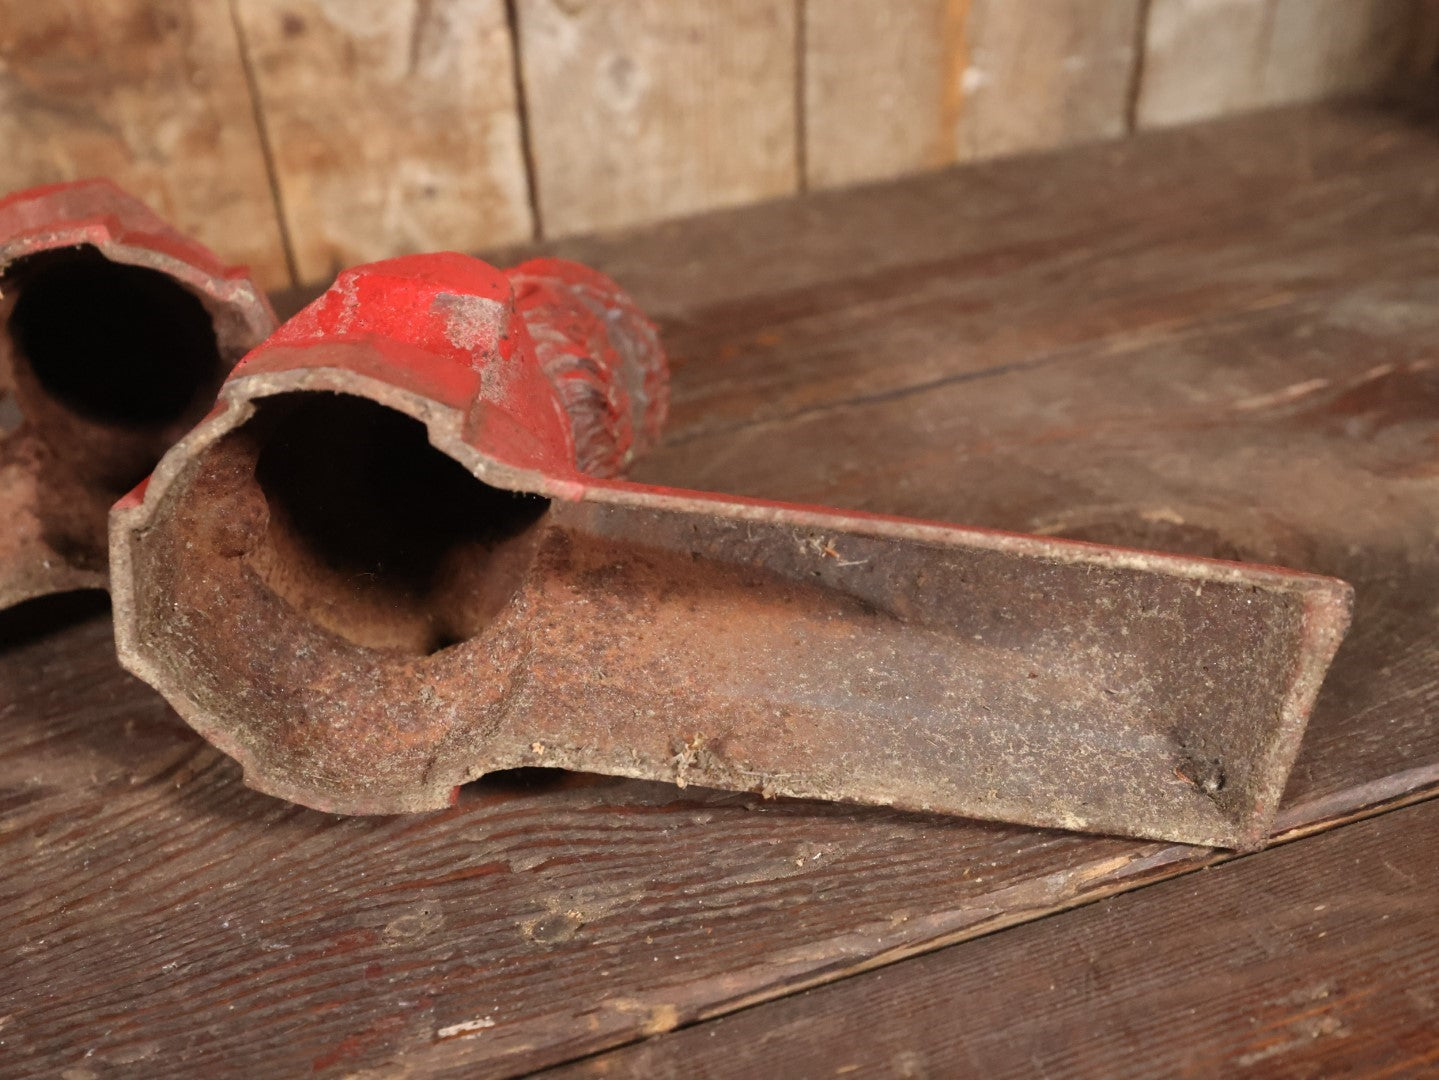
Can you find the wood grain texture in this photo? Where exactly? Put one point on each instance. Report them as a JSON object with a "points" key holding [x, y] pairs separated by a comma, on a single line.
{"points": [[893, 89], [653, 108], [1206, 58], [1043, 75], [1319, 959], [877, 78], [156, 915], [394, 126], [151, 95]]}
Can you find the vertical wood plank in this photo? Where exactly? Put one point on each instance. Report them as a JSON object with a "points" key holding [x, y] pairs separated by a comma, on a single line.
{"points": [[1044, 74], [876, 78], [1204, 58], [891, 89], [152, 94], [393, 124], [645, 109]]}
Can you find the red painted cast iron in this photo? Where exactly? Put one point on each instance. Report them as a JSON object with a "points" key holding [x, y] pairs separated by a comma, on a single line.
{"points": [[115, 332], [397, 556]]}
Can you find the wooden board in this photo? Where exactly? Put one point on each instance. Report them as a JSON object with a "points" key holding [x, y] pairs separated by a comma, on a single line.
{"points": [[1028, 358], [1045, 75], [1205, 58], [893, 89], [394, 126], [150, 95], [654, 108], [1033, 261], [877, 79], [1320, 959]]}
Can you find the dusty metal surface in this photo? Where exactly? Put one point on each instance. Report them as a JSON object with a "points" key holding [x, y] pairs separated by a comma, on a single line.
{"points": [[115, 333], [377, 571]]}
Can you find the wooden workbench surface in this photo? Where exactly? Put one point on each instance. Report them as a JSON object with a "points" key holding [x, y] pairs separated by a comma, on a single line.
{"points": [[1221, 340]]}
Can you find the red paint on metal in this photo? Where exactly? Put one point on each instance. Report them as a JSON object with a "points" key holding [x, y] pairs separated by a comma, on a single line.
{"points": [[99, 213]]}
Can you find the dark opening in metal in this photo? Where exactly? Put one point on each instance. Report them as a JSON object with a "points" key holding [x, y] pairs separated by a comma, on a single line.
{"points": [[374, 533], [119, 344]]}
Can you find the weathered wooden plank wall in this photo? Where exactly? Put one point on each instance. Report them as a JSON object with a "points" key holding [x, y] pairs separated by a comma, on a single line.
{"points": [[1205, 58], [151, 93], [393, 126], [304, 135], [891, 90], [654, 108]]}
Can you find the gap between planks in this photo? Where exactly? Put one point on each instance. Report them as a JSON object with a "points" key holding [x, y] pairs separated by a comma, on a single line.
{"points": [[1012, 919], [267, 149]]}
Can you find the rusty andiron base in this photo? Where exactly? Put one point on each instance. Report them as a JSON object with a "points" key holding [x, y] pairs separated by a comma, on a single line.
{"points": [[396, 556], [115, 333]]}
